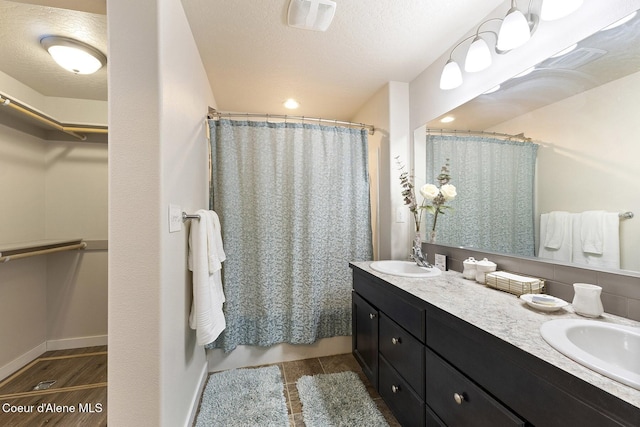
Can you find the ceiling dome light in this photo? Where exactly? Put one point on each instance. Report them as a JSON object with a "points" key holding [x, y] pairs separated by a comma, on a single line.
{"points": [[619, 22], [74, 56], [478, 56], [514, 31], [291, 104], [447, 119], [556, 9], [451, 76]]}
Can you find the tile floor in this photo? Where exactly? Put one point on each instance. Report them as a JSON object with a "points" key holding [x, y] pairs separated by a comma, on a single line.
{"points": [[293, 370]]}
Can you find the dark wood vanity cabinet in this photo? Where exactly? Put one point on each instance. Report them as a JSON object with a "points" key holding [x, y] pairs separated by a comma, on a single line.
{"points": [[434, 369]]}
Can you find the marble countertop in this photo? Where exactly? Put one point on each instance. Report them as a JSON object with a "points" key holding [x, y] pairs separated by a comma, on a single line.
{"points": [[507, 317]]}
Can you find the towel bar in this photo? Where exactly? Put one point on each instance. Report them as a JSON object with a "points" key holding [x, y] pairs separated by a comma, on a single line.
{"points": [[186, 216]]}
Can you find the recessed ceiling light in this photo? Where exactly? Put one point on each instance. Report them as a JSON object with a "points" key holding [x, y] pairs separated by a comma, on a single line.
{"points": [[291, 104], [447, 119], [74, 56]]}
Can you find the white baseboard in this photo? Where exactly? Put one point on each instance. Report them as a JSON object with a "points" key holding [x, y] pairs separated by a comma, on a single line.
{"points": [[21, 361], [195, 401], [246, 356], [79, 342]]}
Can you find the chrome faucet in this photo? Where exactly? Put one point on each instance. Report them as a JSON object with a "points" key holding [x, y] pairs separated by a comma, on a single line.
{"points": [[419, 258]]}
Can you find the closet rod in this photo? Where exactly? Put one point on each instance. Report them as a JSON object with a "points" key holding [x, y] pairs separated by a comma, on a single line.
{"points": [[8, 258], [455, 132], [43, 118], [213, 114]]}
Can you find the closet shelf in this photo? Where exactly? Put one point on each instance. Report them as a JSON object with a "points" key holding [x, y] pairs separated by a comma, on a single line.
{"points": [[13, 251]]}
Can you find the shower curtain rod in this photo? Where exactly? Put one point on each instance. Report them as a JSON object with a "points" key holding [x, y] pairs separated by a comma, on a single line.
{"points": [[48, 120], [214, 114], [456, 132]]}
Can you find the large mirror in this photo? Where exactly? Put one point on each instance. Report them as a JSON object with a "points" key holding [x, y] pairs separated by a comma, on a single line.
{"points": [[581, 108]]}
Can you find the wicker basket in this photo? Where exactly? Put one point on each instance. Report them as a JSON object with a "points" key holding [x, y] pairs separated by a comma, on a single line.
{"points": [[514, 283]]}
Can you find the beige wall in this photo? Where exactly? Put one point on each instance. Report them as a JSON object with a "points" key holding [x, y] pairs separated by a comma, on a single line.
{"points": [[59, 191], [159, 94], [588, 155]]}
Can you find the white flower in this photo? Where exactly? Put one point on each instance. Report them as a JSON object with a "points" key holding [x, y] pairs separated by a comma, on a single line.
{"points": [[448, 192], [429, 191]]}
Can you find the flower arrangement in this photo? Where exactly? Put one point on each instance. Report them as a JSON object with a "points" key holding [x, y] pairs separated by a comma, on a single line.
{"points": [[434, 197]]}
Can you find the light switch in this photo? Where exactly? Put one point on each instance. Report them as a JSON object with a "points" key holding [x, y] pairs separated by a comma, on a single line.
{"points": [[175, 218]]}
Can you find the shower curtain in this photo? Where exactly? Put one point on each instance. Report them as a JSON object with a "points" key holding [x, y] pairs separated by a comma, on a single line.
{"points": [[494, 209], [293, 201]]}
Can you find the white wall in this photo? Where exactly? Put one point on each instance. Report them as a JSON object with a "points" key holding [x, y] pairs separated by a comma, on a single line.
{"points": [[388, 110], [588, 155], [158, 94]]}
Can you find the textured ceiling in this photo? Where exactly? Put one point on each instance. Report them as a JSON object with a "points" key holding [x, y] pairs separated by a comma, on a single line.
{"points": [[255, 61], [23, 25]]}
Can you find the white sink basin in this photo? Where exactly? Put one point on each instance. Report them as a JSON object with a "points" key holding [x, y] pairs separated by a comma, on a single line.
{"points": [[610, 349], [404, 269]]}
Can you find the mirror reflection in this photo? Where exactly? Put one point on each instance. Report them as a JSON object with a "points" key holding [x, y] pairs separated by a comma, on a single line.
{"points": [[580, 108]]}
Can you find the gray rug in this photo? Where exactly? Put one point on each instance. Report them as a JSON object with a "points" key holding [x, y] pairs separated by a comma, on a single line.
{"points": [[244, 397], [337, 400]]}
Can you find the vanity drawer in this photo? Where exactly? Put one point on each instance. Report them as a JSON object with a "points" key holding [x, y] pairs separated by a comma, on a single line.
{"points": [[458, 401], [403, 352], [407, 314], [405, 404]]}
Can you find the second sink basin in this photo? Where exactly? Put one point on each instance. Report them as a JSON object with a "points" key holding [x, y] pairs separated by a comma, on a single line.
{"points": [[610, 349], [404, 269]]}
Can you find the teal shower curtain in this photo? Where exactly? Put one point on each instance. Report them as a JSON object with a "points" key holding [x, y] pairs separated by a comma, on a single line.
{"points": [[293, 201], [494, 209]]}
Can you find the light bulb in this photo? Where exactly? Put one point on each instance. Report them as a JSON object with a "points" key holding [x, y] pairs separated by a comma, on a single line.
{"points": [[514, 31], [451, 76], [478, 56]]}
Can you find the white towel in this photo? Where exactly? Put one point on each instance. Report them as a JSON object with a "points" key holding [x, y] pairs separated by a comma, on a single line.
{"points": [[557, 226], [592, 231], [206, 255], [564, 251], [610, 257]]}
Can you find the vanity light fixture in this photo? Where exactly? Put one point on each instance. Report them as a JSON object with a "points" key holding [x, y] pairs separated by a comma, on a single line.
{"points": [[291, 104], [516, 28], [525, 72], [556, 9], [73, 55]]}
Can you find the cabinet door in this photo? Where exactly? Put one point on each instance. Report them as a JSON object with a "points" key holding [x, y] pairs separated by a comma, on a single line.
{"points": [[365, 337], [459, 402]]}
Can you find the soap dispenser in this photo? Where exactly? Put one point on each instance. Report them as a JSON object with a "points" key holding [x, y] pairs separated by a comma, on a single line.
{"points": [[586, 300]]}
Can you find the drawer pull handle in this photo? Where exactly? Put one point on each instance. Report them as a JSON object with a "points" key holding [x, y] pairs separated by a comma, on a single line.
{"points": [[395, 388], [458, 397], [372, 315], [395, 341]]}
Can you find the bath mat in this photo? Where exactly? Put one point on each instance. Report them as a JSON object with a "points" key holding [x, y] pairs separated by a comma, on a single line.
{"points": [[337, 400], [244, 397]]}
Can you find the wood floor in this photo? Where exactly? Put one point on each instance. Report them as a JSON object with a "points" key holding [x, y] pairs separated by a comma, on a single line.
{"points": [[77, 398]]}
